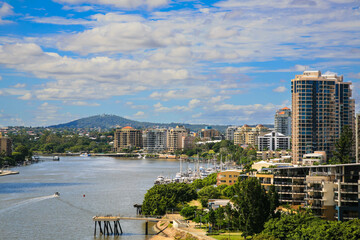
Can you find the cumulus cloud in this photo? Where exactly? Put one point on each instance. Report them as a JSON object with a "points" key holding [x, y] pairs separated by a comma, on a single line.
{"points": [[78, 79], [5, 10], [20, 85], [81, 103], [125, 4], [280, 89]]}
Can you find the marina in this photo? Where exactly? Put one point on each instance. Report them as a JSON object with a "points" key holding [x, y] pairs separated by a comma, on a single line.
{"points": [[200, 170]]}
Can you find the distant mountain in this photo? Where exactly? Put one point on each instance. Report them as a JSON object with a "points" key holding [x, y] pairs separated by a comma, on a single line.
{"points": [[107, 121], [111, 121]]}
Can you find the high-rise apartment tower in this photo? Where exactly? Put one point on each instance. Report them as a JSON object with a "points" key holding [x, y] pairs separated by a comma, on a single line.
{"points": [[321, 107], [283, 121], [357, 137]]}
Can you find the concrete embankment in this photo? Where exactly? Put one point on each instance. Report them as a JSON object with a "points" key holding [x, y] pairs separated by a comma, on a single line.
{"points": [[179, 233], [7, 172]]}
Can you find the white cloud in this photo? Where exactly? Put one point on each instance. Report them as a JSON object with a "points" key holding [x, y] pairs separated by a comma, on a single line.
{"points": [[280, 89], [5, 10], [127, 4], [354, 75], [58, 20], [198, 91], [81, 103], [19, 85], [139, 114]]}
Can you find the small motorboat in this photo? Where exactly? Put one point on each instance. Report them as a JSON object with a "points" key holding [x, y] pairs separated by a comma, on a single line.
{"points": [[56, 194]]}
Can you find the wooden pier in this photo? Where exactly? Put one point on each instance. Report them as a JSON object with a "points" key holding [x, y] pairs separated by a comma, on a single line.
{"points": [[106, 229], [104, 223]]}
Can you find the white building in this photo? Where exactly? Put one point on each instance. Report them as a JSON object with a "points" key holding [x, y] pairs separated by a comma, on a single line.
{"points": [[229, 135], [154, 140], [273, 141], [317, 157]]}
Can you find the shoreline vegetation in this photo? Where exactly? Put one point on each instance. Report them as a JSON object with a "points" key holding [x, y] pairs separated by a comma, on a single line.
{"points": [[252, 213]]}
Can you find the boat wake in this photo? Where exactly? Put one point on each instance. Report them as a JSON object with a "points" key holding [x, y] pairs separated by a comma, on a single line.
{"points": [[77, 207], [26, 202]]}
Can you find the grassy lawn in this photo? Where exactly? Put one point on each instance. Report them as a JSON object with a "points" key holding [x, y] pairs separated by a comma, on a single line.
{"points": [[225, 236]]}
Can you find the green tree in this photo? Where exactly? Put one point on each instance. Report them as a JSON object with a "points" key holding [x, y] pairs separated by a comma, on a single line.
{"points": [[188, 212], [253, 204], [343, 147], [206, 193], [164, 197], [274, 200]]}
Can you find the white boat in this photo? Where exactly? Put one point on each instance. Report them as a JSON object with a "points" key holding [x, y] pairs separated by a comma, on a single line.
{"points": [[85, 155], [159, 180]]}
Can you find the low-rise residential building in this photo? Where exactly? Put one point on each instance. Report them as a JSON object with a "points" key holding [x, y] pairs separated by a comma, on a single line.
{"points": [[318, 157], [331, 191], [228, 177], [267, 155], [266, 164], [274, 141], [216, 203]]}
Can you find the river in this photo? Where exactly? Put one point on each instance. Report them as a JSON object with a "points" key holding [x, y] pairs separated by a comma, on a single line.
{"points": [[88, 186]]}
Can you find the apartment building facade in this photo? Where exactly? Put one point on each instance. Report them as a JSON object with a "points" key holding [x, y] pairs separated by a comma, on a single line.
{"points": [[175, 138], [5, 145], [154, 140], [283, 121], [274, 141], [126, 138], [247, 135], [321, 107], [357, 138], [229, 134], [228, 177], [331, 191]]}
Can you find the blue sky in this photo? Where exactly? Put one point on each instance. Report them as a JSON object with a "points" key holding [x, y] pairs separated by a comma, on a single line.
{"points": [[213, 62]]}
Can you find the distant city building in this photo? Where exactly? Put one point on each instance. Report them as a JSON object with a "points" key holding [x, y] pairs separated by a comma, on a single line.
{"points": [[175, 138], [357, 137], [5, 145], [283, 121], [189, 142], [249, 135], [321, 107], [154, 140], [274, 141], [126, 138], [208, 133], [229, 135]]}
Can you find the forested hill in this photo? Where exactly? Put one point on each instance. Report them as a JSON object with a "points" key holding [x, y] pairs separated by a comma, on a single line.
{"points": [[111, 121]]}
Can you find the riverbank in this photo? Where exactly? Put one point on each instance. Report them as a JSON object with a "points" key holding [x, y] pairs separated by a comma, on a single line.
{"points": [[7, 172], [181, 232]]}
